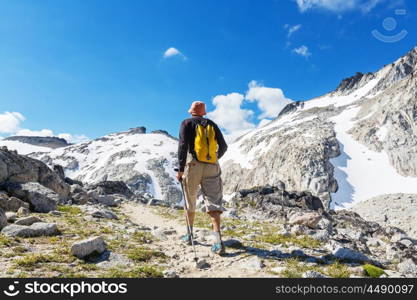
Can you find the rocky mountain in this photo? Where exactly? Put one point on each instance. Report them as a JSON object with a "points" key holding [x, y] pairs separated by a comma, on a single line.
{"points": [[355, 143], [41, 141], [29, 144], [144, 161]]}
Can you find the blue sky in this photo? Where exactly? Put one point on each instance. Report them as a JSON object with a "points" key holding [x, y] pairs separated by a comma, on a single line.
{"points": [[91, 67]]}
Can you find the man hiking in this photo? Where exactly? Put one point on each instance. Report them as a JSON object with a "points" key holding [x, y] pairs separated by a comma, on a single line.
{"points": [[201, 144]]}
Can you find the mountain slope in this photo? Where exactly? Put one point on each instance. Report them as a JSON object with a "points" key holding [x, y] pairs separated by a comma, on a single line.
{"points": [[145, 162], [355, 143]]}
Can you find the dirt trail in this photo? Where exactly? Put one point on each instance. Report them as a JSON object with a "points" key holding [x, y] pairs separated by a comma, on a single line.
{"points": [[233, 264]]}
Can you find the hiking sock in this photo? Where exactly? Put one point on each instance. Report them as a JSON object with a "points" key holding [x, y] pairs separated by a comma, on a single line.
{"points": [[217, 236]]}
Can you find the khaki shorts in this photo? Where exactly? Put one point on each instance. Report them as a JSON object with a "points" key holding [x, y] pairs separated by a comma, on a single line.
{"points": [[207, 176]]}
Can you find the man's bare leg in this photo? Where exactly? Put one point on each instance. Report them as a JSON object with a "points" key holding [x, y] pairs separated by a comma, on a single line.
{"points": [[215, 220]]}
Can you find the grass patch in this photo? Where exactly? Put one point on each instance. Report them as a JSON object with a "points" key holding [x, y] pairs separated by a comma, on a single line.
{"points": [[142, 237], [138, 272], [271, 237], [71, 210], [337, 270], [373, 271], [31, 261], [142, 254], [5, 241]]}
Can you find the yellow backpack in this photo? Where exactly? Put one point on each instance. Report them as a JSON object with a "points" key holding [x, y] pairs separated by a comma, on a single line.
{"points": [[205, 144]]}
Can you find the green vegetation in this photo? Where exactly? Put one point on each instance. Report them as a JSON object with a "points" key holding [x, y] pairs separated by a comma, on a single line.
{"points": [[337, 270], [5, 241], [71, 210], [142, 254], [373, 271], [138, 272]]}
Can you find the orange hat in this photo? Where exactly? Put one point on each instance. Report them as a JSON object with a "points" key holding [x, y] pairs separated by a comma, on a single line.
{"points": [[197, 108]]}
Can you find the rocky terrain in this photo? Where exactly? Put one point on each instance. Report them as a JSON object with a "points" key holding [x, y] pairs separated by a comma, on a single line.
{"points": [[399, 210], [144, 161], [59, 228], [350, 145], [327, 189], [41, 141]]}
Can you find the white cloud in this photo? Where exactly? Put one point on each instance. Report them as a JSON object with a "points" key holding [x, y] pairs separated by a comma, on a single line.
{"points": [[338, 6], [171, 52], [292, 29], [10, 122], [236, 120], [303, 51], [270, 100], [230, 116]]}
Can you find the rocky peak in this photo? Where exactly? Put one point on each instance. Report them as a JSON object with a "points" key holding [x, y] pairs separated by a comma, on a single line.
{"points": [[354, 82], [138, 130], [43, 141]]}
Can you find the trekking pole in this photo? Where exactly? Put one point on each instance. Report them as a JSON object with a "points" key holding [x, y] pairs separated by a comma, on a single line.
{"points": [[187, 219]]}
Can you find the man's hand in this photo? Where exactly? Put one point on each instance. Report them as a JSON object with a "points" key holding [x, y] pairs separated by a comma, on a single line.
{"points": [[179, 176]]}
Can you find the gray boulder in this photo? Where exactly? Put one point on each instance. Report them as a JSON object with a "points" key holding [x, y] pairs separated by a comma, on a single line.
{"points": [[22, 169], [254, 264], [3, 219], [112, 187], [35, 230], [23, 211], [345, 253], [310, 219], [84, 248], [79, 195], [27, 221], [12, 203], [408, 268], [40, 198], [104, 214], [11, 216], [108, 200], [313, 274]]}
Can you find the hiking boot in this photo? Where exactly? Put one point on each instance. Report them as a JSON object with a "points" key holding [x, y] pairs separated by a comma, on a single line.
{"points": [[218, 248], [186, 239]]}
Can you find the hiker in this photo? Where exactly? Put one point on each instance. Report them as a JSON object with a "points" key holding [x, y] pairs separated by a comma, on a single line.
{"points": [[201, 144]]}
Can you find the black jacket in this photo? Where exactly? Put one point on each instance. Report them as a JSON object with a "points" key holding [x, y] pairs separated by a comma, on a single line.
{"points": [[187, 137]]}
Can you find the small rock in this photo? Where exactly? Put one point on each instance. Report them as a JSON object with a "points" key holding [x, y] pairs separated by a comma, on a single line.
{"points": [[170, 274], [254, 264], [356, 271], [407, 268], [11, 216], [55, 213], [104, 214], [84, 248], [373, 242], [202, 264], [108, 200], [3, 219], [27, 221], [310, 219], [23, 211], [278, 270], [313, 274], [160, 234], [398, 237], [406, 242], [34, 230], [345, 253], [11, 203]]}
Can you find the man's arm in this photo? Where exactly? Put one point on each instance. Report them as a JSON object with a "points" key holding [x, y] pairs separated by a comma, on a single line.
{"points": [[182, 147], [220, 141]]}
